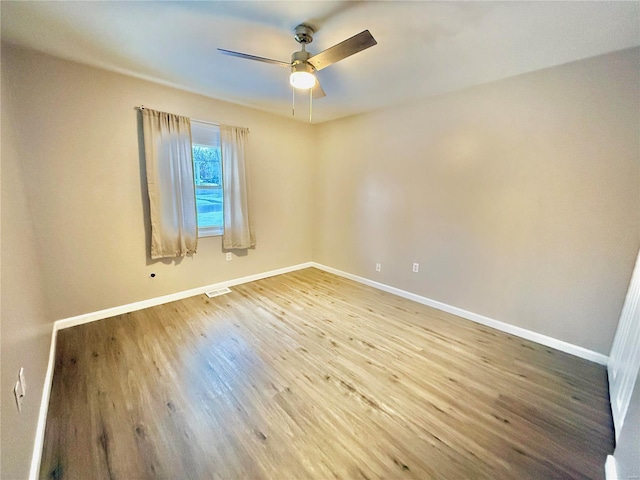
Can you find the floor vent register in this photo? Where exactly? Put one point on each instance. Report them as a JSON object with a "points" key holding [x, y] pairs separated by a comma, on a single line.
{"points": [[217, 293]]}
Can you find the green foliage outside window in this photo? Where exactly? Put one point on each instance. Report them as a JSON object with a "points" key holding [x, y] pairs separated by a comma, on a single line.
{"points": [[206, 162]]}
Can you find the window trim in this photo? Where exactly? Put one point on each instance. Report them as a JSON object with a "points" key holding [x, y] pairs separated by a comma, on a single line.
{"points": [[216, 231]]}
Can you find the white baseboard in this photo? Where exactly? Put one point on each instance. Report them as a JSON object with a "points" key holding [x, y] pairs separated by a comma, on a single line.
{"points": [[474, 317], [131, 307], [44, 408]]}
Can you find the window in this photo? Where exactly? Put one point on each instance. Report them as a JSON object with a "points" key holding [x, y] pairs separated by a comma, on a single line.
{"points": [[207, 171]]}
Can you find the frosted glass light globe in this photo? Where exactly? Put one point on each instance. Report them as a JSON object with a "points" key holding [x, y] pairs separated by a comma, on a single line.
{"points": [[302, 80]]}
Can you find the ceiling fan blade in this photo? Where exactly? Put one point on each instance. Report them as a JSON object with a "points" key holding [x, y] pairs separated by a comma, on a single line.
{"points": [[253, 57], [317, 90], [342, 50]]}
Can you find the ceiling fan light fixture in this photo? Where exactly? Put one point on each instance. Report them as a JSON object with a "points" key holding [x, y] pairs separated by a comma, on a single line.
{"points": [[302, 80], [302, 76]]}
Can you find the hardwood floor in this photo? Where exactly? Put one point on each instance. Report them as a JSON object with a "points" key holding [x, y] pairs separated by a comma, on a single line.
{"points": [[308, 375]]}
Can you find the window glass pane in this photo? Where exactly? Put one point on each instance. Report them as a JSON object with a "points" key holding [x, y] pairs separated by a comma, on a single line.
{"points": [[206, 162], [207, 173], [209, 205]]}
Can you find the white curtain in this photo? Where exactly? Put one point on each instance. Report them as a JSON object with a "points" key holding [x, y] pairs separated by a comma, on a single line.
{"points": [[172, 197], [238, 227]]}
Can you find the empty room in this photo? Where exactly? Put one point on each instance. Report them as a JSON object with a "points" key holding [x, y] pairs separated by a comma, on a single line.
{"points": [[314, 240]]}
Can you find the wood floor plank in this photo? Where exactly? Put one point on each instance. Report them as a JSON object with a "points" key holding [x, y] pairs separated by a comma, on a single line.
{"points": [[308, 375]]}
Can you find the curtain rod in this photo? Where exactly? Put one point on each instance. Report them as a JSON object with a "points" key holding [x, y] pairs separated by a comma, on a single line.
{"points": [[142, 107]]}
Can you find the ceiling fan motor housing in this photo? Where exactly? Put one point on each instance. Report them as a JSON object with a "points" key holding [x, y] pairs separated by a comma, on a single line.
{"points": [[300, 57]]}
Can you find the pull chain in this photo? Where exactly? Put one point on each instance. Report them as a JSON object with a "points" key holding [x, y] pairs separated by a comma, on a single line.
{"points": [[293, 103]]}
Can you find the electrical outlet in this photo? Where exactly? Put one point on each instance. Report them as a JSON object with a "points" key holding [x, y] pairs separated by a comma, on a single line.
{"points": [[378, 267], [416, 267], [228, 256]]}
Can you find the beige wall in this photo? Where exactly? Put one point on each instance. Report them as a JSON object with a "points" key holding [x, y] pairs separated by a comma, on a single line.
{"points": [[26, 327], [519, 198], [78, 140]]}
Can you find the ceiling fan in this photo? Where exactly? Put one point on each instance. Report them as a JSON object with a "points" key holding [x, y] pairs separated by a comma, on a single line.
{"points": [[303, 64]]}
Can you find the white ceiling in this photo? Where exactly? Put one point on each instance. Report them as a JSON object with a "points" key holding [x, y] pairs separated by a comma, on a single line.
{"points": [[424, 48]]}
